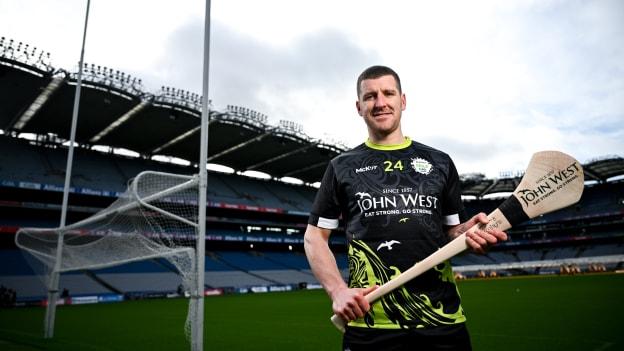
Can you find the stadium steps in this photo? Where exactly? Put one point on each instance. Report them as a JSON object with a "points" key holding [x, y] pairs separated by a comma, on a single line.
{"points": [[232, 188], [48, 166], [282, 199], [308, 196], [489, 256], [120, 170], [166, 265], [238, 268], [282, 264], [241, 189], [100, 281]]}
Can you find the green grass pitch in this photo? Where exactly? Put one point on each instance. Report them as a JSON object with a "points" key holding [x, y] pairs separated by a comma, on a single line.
{"points": [[525, 313]]}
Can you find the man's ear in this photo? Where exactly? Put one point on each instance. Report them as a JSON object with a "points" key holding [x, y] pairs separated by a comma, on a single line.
{"points": [[357, 106], [403, 102]]}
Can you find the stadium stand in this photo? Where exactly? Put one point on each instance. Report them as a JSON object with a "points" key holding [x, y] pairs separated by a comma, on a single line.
{"points": [[255, 226]]}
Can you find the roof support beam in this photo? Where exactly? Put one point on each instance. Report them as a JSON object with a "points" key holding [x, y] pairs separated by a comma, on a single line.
{"points": [[593, 175], [316, 165], [32, 110], [121, 120], [273, 159], [486, 190], [180, 138], [241, 145]]}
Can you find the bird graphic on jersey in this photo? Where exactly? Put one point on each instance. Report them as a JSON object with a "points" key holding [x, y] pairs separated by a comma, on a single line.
{"points": [[387, 244], [403, 220]]}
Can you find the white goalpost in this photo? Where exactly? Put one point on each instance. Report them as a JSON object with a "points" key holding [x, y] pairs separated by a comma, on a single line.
{"points": [[160, 215], [157, 217]]}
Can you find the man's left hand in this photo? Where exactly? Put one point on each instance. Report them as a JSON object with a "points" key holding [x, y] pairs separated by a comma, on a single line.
{"points": [[477, 239]]}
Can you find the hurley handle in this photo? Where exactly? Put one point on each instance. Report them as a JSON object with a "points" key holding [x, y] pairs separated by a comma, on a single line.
{"points": [[457, 245], [552, 180]]}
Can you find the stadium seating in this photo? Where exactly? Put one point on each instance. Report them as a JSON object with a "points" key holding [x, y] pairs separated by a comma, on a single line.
{"points": [[239, 268], [530, 255], [14, 264], [597, 200], [33, 166], [537, 254], [603, 250], [223, 269], [100, 171]]}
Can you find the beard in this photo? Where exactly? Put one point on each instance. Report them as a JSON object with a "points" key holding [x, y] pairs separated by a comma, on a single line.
{"points": [[385, 127]]}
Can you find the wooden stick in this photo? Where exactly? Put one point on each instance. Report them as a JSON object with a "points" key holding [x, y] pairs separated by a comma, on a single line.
{"points": [[553, 180]]}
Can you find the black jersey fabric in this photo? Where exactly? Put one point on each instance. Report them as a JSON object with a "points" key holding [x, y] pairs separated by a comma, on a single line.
{"points": [[394, 202]]}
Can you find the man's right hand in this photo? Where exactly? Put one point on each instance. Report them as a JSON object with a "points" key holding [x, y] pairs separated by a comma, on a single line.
{"points": [[350, 304]]}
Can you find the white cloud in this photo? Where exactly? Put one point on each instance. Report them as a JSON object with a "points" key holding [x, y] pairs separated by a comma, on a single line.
{"points": [[488, 82]]}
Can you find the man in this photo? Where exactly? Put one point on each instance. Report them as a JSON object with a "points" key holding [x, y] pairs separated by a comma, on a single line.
{"points": [[399, 201]]}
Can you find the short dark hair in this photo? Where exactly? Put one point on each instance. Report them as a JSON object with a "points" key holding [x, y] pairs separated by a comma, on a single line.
{"points": [[376, 72]]}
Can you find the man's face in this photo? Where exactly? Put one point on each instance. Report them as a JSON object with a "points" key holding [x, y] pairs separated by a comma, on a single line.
{"points": [[380, 104]]}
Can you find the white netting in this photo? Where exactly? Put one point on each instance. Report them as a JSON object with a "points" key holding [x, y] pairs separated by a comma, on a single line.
{"points": [[155, 218]]}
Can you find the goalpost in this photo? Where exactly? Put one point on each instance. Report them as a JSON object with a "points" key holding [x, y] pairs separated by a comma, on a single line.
{"points": [[161, 215], [156, 217]]}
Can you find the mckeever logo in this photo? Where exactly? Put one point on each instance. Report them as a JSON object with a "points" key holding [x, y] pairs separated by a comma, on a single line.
{"points": [[365, 169], [549, 184], [421, 165]]}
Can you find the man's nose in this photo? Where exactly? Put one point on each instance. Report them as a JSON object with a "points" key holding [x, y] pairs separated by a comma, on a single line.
{"points": [[380, 101]]}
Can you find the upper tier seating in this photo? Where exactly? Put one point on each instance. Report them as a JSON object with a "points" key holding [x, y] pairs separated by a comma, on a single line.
{"points": [[21, 161]]}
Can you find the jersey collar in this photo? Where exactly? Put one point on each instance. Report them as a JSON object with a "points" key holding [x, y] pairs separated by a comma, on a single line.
{"points": [[402, 145]]}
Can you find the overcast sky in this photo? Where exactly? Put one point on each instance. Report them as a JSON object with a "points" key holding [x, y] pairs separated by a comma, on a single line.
{"points": [[489, 82]]}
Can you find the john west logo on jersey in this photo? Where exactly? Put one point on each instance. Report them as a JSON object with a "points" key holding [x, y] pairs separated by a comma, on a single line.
{"points": [[396, 201], [548, 184]]}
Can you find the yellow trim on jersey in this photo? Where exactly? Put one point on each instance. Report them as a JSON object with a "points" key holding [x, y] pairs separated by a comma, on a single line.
{"points": [[382, 147]]}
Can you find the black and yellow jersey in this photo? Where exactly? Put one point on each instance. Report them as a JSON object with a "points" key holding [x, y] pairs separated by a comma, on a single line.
{"points": [[394, 202]]}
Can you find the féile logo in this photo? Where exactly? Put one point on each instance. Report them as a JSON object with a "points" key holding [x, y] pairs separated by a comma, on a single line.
{"points": [[421, 165]]}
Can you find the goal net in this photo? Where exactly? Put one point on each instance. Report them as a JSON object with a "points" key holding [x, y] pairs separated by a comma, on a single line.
{"points": [[156, 217]]}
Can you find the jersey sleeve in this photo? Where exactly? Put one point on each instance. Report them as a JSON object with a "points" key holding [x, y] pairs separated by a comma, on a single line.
{"points": [[453, 212], [326, 209]]}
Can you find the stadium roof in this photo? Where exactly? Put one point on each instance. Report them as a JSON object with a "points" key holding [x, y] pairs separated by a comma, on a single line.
{"points": [[604, 168], [116, 111], [599, 170]]}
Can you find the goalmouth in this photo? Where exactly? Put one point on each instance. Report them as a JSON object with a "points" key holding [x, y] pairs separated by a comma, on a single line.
{"points": [[156, 217]]}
